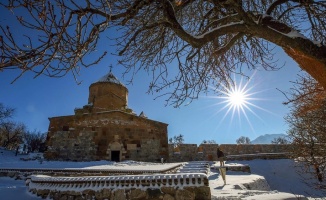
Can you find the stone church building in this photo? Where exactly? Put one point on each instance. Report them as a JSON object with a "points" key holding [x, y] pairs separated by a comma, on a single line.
{"points": [[106, 129]]}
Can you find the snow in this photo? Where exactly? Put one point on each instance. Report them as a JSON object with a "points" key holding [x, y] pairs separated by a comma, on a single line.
{"points": [[297, 34], [80, 184], [131, 166], [281, 176], [15, 189], [218, 28], [269, 179], [109, 78]]}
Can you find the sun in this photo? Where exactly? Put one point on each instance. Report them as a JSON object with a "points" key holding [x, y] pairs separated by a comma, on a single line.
{"points": [[238, 103], [237, 98]]}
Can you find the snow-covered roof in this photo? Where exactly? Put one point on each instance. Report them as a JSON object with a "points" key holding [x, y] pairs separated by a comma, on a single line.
{"points": [[109, 78]]}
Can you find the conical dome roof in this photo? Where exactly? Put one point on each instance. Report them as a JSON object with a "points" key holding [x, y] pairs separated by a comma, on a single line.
{"points": [[109, 78]]}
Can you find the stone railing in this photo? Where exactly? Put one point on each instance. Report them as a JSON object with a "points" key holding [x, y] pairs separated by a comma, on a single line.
{"points": [[176, 181], [179, 186], [113, 182]]}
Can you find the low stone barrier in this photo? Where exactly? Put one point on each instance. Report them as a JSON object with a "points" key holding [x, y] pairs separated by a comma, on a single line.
{"points": [[265, 156], [192, 152], [160, 186]]}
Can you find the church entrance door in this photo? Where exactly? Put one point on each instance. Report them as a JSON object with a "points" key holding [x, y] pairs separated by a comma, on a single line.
{"points": [[115, 156]]}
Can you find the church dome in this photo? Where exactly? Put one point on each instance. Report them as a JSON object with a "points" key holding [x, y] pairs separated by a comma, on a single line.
{"points": [[108, 93], [109, 78]]}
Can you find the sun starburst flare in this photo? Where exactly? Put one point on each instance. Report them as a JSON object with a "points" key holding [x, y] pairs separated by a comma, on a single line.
{"points": [[238, 100]]}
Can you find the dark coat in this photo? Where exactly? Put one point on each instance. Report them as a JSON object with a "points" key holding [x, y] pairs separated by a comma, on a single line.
{"points": [[220, 153]]}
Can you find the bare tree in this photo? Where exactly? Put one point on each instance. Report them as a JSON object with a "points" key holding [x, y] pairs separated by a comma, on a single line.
{"points": [[307, 126], [306, 95], [11, 134], [205, 40], [5, 113], [177, 140], [34, 141], [243, 140]]}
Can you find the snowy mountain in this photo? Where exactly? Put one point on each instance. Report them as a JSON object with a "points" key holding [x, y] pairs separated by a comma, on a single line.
{"points": [[266, 139]]}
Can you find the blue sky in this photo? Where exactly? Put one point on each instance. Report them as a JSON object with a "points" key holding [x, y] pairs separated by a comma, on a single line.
{"points": [[37, 99]]}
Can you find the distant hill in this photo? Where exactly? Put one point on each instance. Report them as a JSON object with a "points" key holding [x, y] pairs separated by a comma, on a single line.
{"points": [[266, 139]]}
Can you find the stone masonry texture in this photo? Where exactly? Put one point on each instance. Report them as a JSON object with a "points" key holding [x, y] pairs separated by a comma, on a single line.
{"points": [[106, 129]]}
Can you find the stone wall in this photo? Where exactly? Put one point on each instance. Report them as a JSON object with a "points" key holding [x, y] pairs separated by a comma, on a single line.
{"points": [[191, 152], [106, 129], [169, 193], [66, 145], [207, 152], [103, 136], [188, 153], [236, 149]]}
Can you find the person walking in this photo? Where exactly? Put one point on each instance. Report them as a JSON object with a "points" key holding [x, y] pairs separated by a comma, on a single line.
{"points": [[220, 156], [222, 168]]}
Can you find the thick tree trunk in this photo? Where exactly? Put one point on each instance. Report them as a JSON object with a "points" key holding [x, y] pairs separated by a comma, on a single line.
{"points": [[311, 57], [313, 66]]}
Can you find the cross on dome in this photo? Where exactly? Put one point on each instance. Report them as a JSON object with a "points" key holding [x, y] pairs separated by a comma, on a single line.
{"points": [[109, 78]]}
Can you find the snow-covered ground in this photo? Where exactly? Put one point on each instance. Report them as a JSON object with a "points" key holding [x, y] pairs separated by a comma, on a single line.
{"points": [[280, 174], [279, 177]]}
